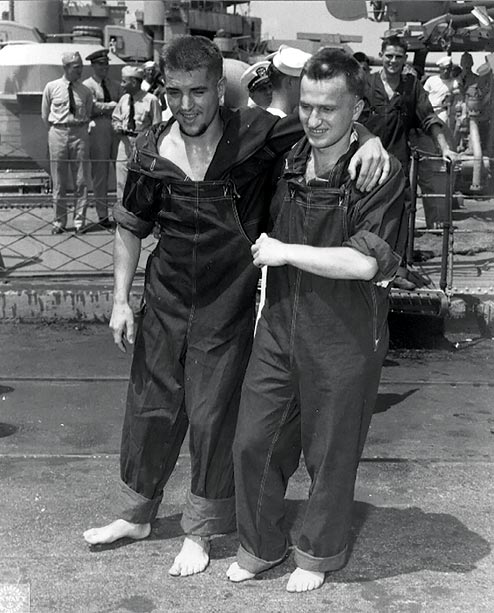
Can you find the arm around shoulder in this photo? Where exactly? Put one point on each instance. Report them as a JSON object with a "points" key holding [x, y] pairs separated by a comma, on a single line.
{"points": [[370, 165]]}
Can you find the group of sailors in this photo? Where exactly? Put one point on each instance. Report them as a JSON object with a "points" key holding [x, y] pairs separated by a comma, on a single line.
{"points": [[90, 126]]}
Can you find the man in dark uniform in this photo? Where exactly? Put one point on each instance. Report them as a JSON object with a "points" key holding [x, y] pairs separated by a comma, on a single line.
{"points": [[102, 140], [256, 81], [204, 176], [312, 379], [397, 102]]}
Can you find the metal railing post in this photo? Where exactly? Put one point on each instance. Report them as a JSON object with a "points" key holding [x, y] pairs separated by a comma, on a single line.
{"points": [[447, 246], [414, 169]]}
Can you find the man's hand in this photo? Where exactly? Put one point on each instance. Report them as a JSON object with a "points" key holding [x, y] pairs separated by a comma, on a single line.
{"points": [[268, 251], [370, 165], [449, 155], [122, 325]]}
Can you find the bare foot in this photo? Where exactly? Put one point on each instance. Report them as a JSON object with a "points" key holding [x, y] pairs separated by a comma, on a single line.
{"points": [[304, 580], [118, 529], [237, 574], [193, 557]]}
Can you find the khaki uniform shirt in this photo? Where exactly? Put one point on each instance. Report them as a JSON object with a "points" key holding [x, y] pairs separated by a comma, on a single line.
{"points": [[55, 103], [147, 112], [100, 107]]}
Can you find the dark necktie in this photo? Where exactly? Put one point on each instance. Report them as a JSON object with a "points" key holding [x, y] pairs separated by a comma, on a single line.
{"points": [[106, 93], [72, 107], [132, 123]]}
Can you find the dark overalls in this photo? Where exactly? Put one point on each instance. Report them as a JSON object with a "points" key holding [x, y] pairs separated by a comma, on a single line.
{"points": [[313, 375], [195, 335], [394, 120]]}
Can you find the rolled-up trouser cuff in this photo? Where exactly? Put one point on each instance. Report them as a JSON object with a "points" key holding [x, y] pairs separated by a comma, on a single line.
{"points": [[136, 508], [307, 562], [208, 516], [255, 565]]}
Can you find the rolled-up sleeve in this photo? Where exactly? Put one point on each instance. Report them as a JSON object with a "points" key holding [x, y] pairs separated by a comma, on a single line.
{"points": [[131, 222], [137, 212], [378, 224]]}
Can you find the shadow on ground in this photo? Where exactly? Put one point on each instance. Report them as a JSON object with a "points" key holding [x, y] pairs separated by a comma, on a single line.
{"points": [[386, 400], [387, 542]]}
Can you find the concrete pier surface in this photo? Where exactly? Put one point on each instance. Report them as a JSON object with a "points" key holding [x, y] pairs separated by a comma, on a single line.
{"points": [[423, 524]]}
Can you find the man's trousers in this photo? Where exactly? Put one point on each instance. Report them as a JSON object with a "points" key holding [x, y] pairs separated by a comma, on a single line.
{"points": [[69, 152]]}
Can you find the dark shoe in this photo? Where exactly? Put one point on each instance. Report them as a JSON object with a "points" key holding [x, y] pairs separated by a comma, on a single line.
{"points": [[57, 229]]}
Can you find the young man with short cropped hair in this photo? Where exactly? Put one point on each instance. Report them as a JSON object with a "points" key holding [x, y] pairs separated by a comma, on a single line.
{"points": [[313, 375], [396, 102], [204, 176]]}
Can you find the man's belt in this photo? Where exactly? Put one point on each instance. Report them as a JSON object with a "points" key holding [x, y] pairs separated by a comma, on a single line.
{"points": [[129, 132]]}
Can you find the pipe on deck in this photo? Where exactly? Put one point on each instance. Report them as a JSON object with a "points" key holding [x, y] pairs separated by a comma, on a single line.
{"points": [[476, 146]]}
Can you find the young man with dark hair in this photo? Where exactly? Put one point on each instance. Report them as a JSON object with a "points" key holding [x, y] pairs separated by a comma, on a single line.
{"points": [[313, 375], [204, 176], [396, 102]]}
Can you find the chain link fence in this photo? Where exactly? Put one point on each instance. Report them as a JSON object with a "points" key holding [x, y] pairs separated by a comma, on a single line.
{"points": [[28, 247]]}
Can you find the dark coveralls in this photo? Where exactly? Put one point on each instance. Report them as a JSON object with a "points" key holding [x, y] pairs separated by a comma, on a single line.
{"points": [[194, 339], [313, 375], [394, 119]]}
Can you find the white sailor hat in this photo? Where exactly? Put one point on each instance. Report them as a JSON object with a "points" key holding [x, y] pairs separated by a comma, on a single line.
{"points": [[484, 69], [70, 57], [150, 64], [133, 71], [444, 61], [255, 75], [290, 60]]}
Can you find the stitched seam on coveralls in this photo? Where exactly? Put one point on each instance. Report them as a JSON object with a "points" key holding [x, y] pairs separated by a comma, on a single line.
{"points": [[194, 262], [343, 202], [299, 276], [269, 456]]}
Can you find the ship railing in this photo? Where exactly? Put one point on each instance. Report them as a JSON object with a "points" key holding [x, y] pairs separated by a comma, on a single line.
{"points": [[28, 246]]}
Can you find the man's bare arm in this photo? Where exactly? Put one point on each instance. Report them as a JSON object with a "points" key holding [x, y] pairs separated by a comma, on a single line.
{"points": [[330, 262], [126, 252], [442, 142]]}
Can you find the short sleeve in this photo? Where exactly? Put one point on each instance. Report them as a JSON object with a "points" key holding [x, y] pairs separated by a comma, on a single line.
{"points": [[378, 224], [137, 211]]}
